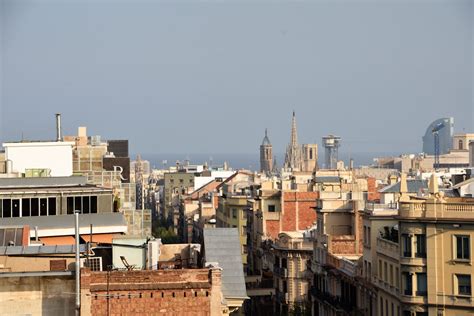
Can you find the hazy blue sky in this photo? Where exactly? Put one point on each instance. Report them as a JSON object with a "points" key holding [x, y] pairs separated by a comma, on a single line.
{"points": [[209, 76]]}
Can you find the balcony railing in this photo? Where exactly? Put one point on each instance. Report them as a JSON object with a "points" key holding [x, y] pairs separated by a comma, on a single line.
{"points": [[335, 301], [388, 248], [437, 210], [348, 267]]}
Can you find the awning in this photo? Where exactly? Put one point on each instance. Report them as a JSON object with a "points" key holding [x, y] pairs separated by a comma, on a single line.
{"points": [[60, 240], [100, 238]]}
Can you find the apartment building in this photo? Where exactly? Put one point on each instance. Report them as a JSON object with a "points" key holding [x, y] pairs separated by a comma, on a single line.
{"points": [[292, 253]]}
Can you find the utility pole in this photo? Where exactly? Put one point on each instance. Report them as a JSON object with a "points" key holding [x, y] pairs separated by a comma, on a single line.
{"points": [[78, 264]]}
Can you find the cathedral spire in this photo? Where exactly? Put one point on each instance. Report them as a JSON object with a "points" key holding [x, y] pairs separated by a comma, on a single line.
{"points": [[293, 156], [294, 135]]}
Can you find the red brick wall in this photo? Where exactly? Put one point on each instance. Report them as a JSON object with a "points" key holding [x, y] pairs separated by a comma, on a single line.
{"points": [[273, 229], [296, 206], [372, 191], [151, 302], [163, 292]]}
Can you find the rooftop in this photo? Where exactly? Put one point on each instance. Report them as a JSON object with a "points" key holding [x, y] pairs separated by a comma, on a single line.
{"points": [[222, 245], [413, 185]]}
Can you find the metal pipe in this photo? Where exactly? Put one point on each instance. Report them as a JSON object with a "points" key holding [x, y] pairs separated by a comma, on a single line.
{"points": [[58, 127], [78, 265]]}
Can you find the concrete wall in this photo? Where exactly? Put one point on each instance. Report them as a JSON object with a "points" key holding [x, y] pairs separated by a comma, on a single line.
{"points": [[45, 295], [133, 255], [22, 264], [471, 154], [56, 156]]}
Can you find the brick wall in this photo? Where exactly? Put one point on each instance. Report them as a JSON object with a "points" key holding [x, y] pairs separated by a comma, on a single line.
{"points": [[372, 190], [162, 292], [298, 213]]}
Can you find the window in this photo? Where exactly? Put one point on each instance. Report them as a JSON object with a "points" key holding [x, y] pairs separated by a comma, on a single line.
{"points": [[421, 246], [35, 207], [16, 208], [25, 207], [51, 206], [461, 147], [271, 208], [380, 269], [7, 208], [94, 204], [391, 275], [421, 284], [234, 213], [70, 205], [310, 153], [408, 283], [365, 235], [406, 240], [368, 236], [464, 284], [86, 204], [381, 306], [43, 207], [385, 272], [463, 247], [397, 278]]}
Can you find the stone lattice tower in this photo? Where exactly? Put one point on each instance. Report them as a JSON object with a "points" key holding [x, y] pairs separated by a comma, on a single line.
{"points": [[266, 155], [293, 157]]}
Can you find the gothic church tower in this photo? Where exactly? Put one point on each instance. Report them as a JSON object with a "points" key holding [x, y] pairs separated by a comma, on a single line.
{"points": [[266, 155]]}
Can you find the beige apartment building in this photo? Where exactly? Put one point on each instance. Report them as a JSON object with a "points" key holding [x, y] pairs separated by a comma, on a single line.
{"points": [[292, 257], [436, 255], [417, 255]]}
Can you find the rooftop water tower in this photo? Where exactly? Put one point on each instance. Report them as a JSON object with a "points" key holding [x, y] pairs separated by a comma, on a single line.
{"points": [[331, 145]]}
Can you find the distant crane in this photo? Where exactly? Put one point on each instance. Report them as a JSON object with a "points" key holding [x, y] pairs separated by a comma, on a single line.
{"points": [[435, 132]]}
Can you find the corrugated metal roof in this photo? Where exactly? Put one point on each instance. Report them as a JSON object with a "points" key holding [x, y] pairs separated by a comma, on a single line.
{"points": [[328, 179], [222, 245], [67, 221], [43, 181], [413, 186], [37, 250]]}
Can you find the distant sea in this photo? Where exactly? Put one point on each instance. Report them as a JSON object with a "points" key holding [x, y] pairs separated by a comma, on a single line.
{"points": [[249, 161]]}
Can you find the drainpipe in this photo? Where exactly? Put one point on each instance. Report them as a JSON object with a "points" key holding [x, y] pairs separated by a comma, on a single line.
{"points": [[78, 265]]}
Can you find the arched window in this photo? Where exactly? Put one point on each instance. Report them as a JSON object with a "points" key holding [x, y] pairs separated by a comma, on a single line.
{"points": [[460, 144]]}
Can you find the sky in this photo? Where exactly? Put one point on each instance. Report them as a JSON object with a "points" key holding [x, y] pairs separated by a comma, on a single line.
{"points": [[210, 76]]}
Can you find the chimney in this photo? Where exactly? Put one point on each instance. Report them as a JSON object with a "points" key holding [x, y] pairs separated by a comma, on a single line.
{"points": [[58, 127]]}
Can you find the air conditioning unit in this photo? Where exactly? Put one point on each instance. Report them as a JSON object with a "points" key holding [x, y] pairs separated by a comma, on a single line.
{"points": [[94, 263]]}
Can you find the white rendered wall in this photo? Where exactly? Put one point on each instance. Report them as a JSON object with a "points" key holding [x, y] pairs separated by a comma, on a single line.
{"points": [[200, 181], [56, 156]]}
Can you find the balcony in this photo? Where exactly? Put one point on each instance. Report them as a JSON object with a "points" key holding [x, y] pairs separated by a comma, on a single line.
{"points": [[334, 205], [438, 210], [388, 248], [381, 209], [335, 302], [348, 267]]}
